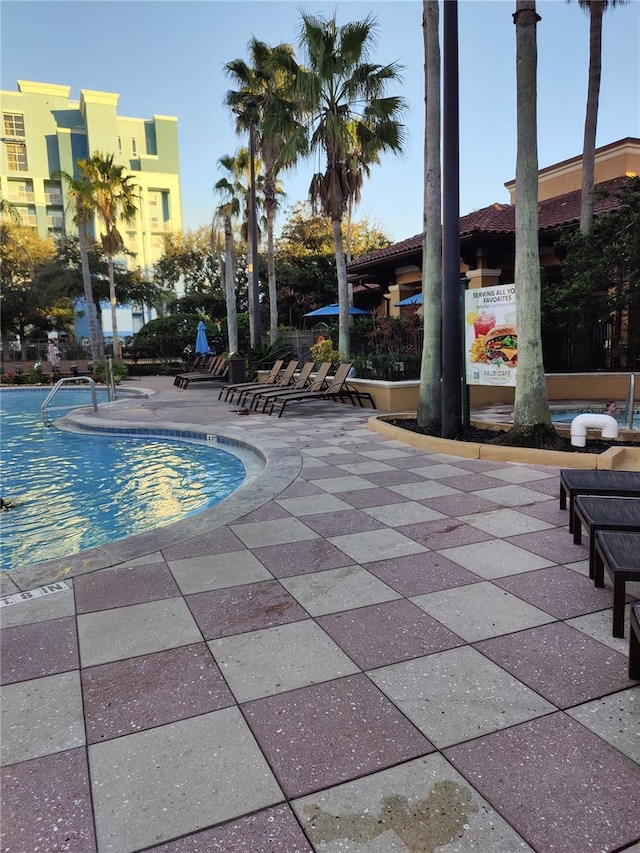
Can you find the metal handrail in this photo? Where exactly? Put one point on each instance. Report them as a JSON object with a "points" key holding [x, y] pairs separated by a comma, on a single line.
{"points": [[631, 400], [67, 380]]}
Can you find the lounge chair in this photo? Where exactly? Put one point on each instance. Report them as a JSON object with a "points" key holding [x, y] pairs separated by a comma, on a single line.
{"points": [[47, 372], [201, 364], [299, 381], [618, 553], [218, 372], [282, 380], [330, 391], [612, 483], [603, 513], [230, 390], [316, 382]]}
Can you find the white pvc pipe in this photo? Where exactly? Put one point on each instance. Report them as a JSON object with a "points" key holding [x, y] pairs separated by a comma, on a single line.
{"points": [[607, 425]]}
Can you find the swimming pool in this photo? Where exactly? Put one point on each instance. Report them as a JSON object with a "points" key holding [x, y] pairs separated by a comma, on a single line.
{"points": [[73, 492]]}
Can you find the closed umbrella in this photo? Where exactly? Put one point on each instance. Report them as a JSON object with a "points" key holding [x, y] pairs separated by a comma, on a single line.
{"points": [[334, 310], [416, 299], [202, 345]]}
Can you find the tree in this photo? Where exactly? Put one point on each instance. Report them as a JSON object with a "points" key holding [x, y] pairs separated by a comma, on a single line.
{"points": [[429, 411], [114, 197], [531, 416], [341, 98], [27, 307], [601, 276], [190, 257], [306, 260], [227, 211], [596, 9], [80, 191], [264, 102]]}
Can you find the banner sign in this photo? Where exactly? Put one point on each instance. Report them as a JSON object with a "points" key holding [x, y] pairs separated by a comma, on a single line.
{"points": [[491, 336]]}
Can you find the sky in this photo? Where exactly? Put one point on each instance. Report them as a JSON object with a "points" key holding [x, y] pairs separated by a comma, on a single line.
{"points": [[167, 57]]}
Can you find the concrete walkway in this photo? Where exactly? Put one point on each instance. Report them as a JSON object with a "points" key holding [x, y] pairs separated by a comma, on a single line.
{"points": [[374, 648]]}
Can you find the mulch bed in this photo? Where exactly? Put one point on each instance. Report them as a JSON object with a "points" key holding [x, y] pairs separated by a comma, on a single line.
{"points": [[485, 436]]}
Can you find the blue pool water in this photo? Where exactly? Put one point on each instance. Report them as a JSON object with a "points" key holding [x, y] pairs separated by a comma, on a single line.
{"points": [[565, 416], [73, 492]]}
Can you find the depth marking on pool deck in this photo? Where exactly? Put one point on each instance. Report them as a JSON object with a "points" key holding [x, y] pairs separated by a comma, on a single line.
{"points": [[19, 597]]}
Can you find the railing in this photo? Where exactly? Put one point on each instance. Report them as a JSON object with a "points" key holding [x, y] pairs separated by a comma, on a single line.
{"points": [[631, 400], [67, 380]]}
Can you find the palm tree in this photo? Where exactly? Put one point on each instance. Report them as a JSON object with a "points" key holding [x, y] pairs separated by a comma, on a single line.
{"points": [[596, 10], [114, 196], [264, 104], [341, 98], [531, 417], [429, 412], [80, 191], [227, 211]]}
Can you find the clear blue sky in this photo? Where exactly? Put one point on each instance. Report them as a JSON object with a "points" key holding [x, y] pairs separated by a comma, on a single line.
{"points": [[166, 57]]}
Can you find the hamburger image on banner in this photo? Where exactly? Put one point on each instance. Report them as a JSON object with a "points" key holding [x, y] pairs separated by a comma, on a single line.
{"points": [[491, 336]]}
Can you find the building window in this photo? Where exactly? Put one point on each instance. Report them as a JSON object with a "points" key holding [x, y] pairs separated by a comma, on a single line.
{"points": [[13, 124], [134, 147], [16, 157], [119, 145]]}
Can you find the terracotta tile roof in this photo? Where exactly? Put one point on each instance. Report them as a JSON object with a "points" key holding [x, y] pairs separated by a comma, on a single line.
{"points": [[500, 219]]}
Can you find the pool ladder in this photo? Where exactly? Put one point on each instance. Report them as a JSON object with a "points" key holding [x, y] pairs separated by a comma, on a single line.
{"points": [[67, 380]]}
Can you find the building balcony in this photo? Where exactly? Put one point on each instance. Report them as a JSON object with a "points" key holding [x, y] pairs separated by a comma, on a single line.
{"points": [[21, 198]]}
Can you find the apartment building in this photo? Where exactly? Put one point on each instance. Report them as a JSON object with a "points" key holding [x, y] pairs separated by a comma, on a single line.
{"points": [[45, 131]]}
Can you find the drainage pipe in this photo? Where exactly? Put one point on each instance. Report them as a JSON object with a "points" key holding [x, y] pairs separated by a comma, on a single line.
{"points": [[607, 425]]}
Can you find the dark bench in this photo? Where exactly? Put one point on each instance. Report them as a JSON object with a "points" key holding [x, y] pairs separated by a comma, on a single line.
{"points": [[634, 642], [602, 483], [618, 553], [594, 513]]}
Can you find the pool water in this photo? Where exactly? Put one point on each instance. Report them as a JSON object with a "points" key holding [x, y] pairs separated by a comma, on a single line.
{"points": [[70, 492]]}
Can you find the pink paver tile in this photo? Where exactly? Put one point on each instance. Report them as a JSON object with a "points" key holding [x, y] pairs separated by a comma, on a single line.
{"points": [[559, 591], [393, 478], [473, 482], [123, 586], [223, 612], [273, 830], [455, 505], [420, 573], [301, 489], [268, 512], [38, 648], [143, 692], [562, 788], [386, 633], [548, 511], [218, 541], [46, 805], [444, 533], [328, 733], [479, 465], [315, 469], [344, 521], [555, 544], [299, 558], [372, 497], [549, 486], [562, 664]]}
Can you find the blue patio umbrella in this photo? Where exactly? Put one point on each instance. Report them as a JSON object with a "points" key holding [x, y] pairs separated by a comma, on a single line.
{"points": [[334, 310], [416, 299], [202, 345]]}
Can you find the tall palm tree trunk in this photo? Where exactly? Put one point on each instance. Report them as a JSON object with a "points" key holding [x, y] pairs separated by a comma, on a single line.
{"points": [[88, 294], [429, 413], [532, 419], [113, 302], [271, 272], [229, 286], [344, 343], [596, 9]]}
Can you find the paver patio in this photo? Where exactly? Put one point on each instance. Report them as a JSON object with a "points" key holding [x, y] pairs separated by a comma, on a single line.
{"points": [[391, 650]]}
